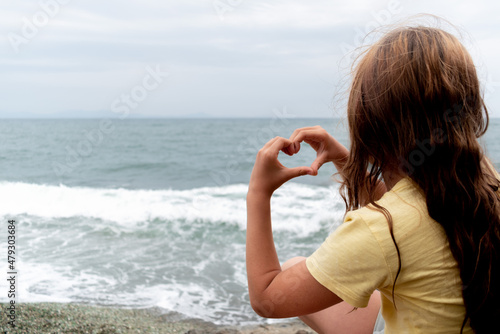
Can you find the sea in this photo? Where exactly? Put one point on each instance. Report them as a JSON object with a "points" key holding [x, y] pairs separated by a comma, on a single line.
{"points": [[141, 213]]}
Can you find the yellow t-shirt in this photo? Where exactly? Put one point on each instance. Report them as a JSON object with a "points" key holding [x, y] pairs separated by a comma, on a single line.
{"points": [[360, 257]]}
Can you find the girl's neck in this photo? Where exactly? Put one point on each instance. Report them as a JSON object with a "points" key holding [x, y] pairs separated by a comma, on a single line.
{"points": [[391, 178]]}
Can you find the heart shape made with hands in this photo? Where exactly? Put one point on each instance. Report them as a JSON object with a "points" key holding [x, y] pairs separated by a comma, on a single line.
{"points": [[290, 157]]}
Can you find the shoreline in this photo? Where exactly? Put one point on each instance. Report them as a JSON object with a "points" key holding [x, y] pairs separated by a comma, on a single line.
{"points": [[78, 318]]}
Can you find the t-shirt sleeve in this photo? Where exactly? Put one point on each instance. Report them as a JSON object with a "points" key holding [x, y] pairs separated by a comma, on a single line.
{"points": [[350, 262]]}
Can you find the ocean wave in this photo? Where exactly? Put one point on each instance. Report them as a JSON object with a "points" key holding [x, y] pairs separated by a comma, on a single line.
{"points": [[181, 250], [296, 207]]}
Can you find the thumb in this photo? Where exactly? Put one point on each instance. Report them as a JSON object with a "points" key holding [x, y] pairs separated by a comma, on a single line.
{"points": [[299, 171], [315, 166]]}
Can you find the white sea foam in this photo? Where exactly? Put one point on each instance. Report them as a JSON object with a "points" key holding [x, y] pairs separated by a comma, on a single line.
{"points": [[296, 207], [42, 282], [92, 245], [198, 301]]}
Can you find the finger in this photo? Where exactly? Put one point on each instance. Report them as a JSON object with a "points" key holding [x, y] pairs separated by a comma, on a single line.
{"points": [[317, 163], [279, 144], [273, 146], [299, 171], [287, 150], [297, 131], [292, 149], [307, 128], [310, 135], [270, 143]]}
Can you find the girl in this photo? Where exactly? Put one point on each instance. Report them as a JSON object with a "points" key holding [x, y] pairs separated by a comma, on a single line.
{"points": [[421, 235]]}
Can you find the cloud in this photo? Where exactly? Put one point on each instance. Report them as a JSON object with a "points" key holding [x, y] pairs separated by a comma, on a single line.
{"points": [[243, 61]]}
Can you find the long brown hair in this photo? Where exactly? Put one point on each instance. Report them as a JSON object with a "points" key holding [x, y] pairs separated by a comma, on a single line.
{"points": [[415, 107]]}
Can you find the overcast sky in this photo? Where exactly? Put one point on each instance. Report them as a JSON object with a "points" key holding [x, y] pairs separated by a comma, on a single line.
{"points": [[224, 58]]}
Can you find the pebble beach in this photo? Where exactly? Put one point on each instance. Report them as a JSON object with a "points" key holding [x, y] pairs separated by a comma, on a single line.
{"points": [[84, 319]]}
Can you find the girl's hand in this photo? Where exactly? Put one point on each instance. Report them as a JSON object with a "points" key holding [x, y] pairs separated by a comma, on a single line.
{"points": [[268, 173], [327, 148]]}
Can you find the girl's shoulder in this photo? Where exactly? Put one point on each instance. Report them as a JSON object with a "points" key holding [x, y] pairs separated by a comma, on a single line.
{"points": [[404, 199], [404, 209]]}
